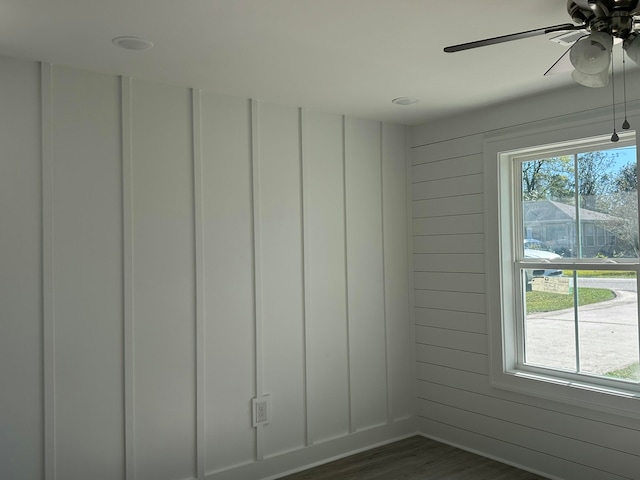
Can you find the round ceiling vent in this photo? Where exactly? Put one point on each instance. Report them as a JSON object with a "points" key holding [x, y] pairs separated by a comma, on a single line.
{"points": [[405, 100], [132, 43]]}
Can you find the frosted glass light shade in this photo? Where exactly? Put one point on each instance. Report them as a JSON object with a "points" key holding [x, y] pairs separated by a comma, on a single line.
{"points": [[632, 47], [591, 80], [592, 54]]}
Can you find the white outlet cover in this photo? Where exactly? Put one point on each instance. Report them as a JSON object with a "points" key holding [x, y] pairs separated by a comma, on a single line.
{"points": [[255, 402]]}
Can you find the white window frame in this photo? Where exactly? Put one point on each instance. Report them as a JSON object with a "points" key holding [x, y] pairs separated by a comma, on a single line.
{"points": [[501, 286]]}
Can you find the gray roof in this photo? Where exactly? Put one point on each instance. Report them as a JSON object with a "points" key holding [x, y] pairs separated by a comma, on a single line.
{"points": [[548, 210]]}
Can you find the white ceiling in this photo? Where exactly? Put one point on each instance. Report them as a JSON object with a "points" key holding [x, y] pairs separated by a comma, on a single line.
{"points": [[346, 56]]}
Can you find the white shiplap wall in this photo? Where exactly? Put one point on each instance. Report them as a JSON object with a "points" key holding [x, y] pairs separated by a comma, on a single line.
{"points": [[167, 254], [457, 403]]}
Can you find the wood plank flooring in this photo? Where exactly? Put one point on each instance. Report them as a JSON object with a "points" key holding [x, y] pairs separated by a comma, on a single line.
{"points": [[415, 458]]}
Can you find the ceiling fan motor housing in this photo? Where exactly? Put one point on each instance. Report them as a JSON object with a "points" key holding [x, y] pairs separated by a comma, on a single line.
{"points": [[611, 16]]}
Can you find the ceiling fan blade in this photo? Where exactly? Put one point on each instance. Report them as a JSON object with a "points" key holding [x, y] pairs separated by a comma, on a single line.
{"points": [[513, 36]]}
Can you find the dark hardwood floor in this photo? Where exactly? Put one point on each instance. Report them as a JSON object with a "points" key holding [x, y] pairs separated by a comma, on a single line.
{"points": [[415, 458]]}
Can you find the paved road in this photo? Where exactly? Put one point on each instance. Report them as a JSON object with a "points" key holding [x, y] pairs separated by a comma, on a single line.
{"points": [[608, 333], [620, 284]]}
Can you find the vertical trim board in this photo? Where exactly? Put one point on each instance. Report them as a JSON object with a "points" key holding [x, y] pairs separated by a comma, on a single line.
{"points": [[196, 105], [257, 269], [410, 274], [306, 284], [384, 277], [47, 274], [352, 427], [127, 260]]}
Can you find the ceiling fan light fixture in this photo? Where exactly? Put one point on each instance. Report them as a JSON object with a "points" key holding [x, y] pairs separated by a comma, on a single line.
{"points": [[593, 80], [592, 54], [632, 46]]}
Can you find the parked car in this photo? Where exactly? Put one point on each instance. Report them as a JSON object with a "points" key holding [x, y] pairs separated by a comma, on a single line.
{"points": [[534, 244], [537, 249]]}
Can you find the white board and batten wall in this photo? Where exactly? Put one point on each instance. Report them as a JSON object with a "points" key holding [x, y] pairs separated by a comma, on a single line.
{"points": [[456, 402], [167, 254]]}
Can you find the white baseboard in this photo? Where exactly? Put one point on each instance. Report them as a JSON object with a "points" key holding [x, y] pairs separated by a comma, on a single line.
{"points": [[490, 456], [320, 453]]}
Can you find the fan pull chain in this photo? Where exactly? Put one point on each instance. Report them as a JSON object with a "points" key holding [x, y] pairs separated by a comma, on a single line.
{"points": [[625, 124], [614, 137]]}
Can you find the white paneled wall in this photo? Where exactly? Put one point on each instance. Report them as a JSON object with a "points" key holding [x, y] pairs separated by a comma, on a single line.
{"points": [[365, 282], [167, 254], [227, 261], [84, 201], [21, 329], [396, 281], [325, 279], [457, 403], [163, 283], [280, 314]]}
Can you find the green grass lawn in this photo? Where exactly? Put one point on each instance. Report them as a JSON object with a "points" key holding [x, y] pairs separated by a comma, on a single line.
{"points": [[630, 372], [599, 274], [549, 302]]}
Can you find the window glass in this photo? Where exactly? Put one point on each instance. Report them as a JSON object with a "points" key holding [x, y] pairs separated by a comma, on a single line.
{"points": [[578, 214], [582, 205], [599, 337]]}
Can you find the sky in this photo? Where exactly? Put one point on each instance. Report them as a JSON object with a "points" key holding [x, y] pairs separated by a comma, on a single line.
{"points": [[625, 155]]}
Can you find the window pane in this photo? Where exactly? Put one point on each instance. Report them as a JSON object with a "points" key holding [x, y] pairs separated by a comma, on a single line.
{"points": [[601, 237], [549, 322], [608, 197], [605, 188], [608, 324], [588, 237], [548, 206], [605, 323]]}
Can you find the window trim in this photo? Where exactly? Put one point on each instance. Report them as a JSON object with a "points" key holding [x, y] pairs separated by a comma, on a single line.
{"points": [[498, 185]]}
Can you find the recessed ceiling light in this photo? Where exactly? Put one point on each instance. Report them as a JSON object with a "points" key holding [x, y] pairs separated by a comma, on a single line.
{"points": [[405, 100], [132, 43]]}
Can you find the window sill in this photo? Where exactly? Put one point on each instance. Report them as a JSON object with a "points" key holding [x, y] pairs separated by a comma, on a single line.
{"points": [[606, 399]]}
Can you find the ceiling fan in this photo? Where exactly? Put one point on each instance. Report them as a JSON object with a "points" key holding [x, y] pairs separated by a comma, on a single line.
{"points": [[602, 22]]}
